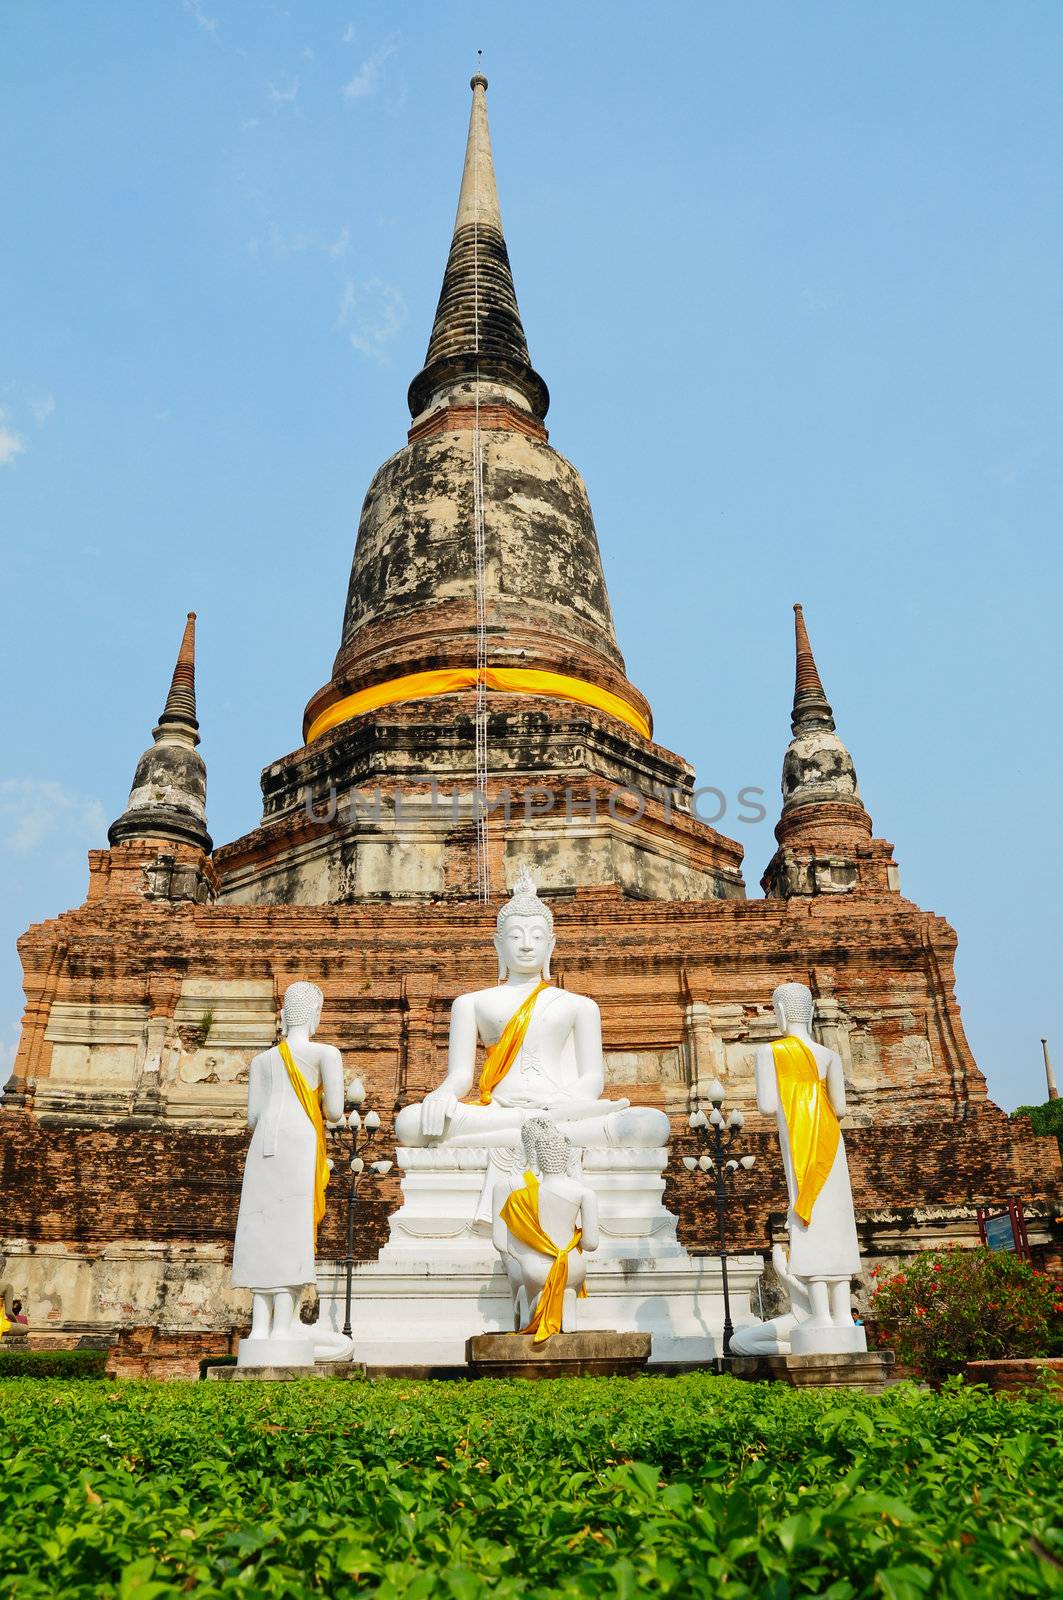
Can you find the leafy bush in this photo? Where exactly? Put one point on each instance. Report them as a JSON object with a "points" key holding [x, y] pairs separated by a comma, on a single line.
{"points": [[1045, 1119], [953, 1306], [52, 1363], [678, 1488]]}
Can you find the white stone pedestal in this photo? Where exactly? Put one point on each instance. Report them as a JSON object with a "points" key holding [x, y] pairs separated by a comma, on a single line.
{"points": [[275, 1353], [832, 1341], [439, 1281]]}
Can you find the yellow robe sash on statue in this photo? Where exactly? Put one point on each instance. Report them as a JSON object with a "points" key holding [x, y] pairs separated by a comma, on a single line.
{"points": [[520, 1213], [311, 1104], [501, 1056], [4, 1324], [810, 1120]]}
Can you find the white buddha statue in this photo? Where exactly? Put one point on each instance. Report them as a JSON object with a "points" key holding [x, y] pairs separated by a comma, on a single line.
{"points": [[292, 1088], [801, 1082], [543, 1226], [543, 1053]]}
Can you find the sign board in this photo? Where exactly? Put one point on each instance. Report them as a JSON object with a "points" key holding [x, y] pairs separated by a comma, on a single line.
{"points": [[1004, 1230]]}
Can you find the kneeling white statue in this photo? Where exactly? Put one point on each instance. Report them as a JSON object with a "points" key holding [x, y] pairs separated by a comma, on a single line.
{"points": [[292, 1088], [801, 1081], [772, 1338], [541, 1230]]}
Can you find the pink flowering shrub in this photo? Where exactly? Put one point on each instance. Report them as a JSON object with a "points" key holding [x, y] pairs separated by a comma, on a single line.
{"points": [[945, 1308]]}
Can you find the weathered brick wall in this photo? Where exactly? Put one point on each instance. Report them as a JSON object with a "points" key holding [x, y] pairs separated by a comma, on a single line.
{"points": [[92, 1187]]}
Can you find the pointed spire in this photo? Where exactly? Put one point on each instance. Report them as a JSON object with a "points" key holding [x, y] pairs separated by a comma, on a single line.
{"points": [[811, 708], [824, 831], [817, 767], [477, 325], [169, 794], [180, 707]]}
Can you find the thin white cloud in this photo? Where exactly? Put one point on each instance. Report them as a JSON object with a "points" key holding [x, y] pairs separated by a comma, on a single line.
{"points": [[42, 409], [252, 122], [284, 97], [38, 811], [195, 10], [370, 314], [298, 242], [12, 444], [348, 33], [366, 80]]}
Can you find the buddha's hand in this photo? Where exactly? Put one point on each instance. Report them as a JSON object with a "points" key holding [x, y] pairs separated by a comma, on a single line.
{"points": [[435, 1109]]}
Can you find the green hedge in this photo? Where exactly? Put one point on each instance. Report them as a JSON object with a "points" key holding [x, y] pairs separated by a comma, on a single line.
{"points": [[678, 1488], [52, 1363]]}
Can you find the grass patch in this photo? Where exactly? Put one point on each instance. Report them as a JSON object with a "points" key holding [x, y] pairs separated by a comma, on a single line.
{"points": [[693, 1486]]}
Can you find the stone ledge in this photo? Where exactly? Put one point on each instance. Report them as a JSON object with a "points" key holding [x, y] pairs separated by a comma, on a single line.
{"points": [[343, 1371], [566, 1355], [872, 1371]]}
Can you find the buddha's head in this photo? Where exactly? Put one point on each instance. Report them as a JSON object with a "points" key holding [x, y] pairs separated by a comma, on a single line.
{"points": [[302, 1007], [524, 937], [546, 1147], [793, 1006]]}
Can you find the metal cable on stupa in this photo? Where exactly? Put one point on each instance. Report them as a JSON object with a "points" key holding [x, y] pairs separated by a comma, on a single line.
{"points": [[483, 860]]}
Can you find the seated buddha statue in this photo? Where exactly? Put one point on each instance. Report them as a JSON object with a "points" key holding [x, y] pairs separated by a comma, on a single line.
{"points": [[542, 1054]]}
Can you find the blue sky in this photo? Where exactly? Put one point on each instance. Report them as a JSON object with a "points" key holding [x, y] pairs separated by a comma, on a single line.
{"points": [[793, 276]]}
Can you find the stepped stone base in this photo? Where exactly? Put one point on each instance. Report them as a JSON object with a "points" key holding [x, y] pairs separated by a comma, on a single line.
{"points": [[566, 1355], [872, 1371], [421, 1314]]}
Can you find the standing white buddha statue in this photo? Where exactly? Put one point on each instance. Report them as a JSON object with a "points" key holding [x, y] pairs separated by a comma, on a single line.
{"points": [[801, 1082], [542, 1054], [543, 1226], [292, 1088]]}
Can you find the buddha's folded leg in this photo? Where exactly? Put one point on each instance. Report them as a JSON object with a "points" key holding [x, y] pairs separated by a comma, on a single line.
{"points": [[466, 1125], [640, 1126]]}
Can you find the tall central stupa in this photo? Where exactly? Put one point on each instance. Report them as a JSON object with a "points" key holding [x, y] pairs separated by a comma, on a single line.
{"points": [[478, 651]]}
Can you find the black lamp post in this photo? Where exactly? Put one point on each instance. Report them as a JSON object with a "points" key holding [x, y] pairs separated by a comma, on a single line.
{"points": [[361, 1132], [714, 1164]]}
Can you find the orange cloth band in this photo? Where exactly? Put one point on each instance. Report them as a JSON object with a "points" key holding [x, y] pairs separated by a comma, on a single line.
{"points": [[449, 680]]}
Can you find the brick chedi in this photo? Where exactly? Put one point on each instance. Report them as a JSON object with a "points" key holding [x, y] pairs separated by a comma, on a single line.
{"points": [[529, 605], [477, 650], [824, 833]]}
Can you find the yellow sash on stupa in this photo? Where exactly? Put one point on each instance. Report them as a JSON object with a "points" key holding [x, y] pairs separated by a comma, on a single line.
{"points": [[520, 1213], [311, 1104], [810, 1120], [502, 1055]]}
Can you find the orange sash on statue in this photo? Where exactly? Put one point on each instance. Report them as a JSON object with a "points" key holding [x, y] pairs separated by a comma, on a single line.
{"points": [[311, 1104], [810, 1120], [501, 1056], [520, 1213]]}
